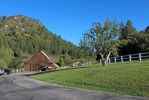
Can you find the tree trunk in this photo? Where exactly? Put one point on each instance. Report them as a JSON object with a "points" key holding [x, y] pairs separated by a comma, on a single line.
{"points": [[108, 56], [104, 60]]}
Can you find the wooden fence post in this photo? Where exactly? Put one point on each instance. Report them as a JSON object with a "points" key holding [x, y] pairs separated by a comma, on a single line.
{"points": [[122, 59], [140, 57], [130, 57]]}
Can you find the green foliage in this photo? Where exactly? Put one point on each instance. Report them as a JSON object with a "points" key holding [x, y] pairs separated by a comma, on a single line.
{"points": [[61, 61], [6, 56], [16, 63], [65, 60], [2, 63], [113, 37], [27, 36], [131, 39], [102, 39], [127, 31], [127, 78]]}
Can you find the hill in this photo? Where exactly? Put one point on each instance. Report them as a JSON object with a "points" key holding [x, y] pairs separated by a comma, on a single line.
{"points": [[22, 36]]}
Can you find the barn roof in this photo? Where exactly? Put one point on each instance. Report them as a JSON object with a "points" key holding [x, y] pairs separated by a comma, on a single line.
{"points": [[49, 58]]}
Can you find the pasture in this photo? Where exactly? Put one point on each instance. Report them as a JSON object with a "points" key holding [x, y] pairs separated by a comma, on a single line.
{"points": [[122, 78]]}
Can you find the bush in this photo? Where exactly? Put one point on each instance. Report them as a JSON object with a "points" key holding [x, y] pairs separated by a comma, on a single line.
{"points": [[6, 56], [65, 60], [61, 61], [16, 63]]}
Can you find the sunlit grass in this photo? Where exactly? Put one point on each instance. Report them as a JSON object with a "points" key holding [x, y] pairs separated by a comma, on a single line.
{"points": [[127, 78]]}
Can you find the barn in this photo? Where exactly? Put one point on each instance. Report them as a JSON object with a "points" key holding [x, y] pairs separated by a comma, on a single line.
{"points": [[38, 61]]}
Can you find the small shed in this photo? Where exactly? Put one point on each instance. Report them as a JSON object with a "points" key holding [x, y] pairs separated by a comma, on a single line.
{"points": [[40, 60]]}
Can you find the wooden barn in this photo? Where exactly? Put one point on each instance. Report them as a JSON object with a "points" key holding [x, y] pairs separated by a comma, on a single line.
{"points": [[38, 61]]}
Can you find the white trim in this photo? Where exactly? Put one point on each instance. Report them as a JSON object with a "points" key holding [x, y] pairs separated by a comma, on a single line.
{"points": [[49, 59]]}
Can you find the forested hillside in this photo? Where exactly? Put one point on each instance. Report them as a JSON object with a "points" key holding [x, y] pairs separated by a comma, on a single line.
{"points": [[22, 36]]}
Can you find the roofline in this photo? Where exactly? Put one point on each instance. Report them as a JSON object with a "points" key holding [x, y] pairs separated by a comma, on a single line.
{"points": [[49, 58]]}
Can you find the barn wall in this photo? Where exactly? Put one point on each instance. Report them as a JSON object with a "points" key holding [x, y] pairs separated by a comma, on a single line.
{"points": [[37, 61]]}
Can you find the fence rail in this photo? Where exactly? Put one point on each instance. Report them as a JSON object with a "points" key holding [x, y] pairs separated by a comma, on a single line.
{"points": [[137, 57]]}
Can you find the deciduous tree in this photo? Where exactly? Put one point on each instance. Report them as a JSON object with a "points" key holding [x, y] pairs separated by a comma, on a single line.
{"points": [[102, 39]]}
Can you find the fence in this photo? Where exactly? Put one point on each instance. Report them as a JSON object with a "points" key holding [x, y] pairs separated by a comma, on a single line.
{"points": [[137, 57]]}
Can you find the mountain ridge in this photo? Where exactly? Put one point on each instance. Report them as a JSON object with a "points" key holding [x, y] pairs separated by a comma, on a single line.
{"points": [[26, 36]]}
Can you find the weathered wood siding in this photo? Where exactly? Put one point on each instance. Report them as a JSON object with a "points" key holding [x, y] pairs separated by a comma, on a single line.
{"points": [[37, 61]]}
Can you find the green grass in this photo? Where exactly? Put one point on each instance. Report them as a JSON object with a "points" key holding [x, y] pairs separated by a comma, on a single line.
{"points": [[126, 78]]}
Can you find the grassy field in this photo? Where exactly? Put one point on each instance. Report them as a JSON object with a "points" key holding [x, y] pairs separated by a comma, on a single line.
{"points": [[126, 78]]}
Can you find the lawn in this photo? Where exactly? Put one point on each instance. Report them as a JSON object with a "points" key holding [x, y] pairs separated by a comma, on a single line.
{"points": [[127, 78]]}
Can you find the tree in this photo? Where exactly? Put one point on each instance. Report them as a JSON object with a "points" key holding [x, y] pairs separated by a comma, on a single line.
{"points": [[61, 61], [6, 56], [103, 40], [147, 29], [132, 39], [127, 31], [2, 63], [16, 63], [65, 60]]}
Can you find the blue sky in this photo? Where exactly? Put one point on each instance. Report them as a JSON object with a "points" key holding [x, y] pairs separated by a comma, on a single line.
{"points": [[71, 18]]}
